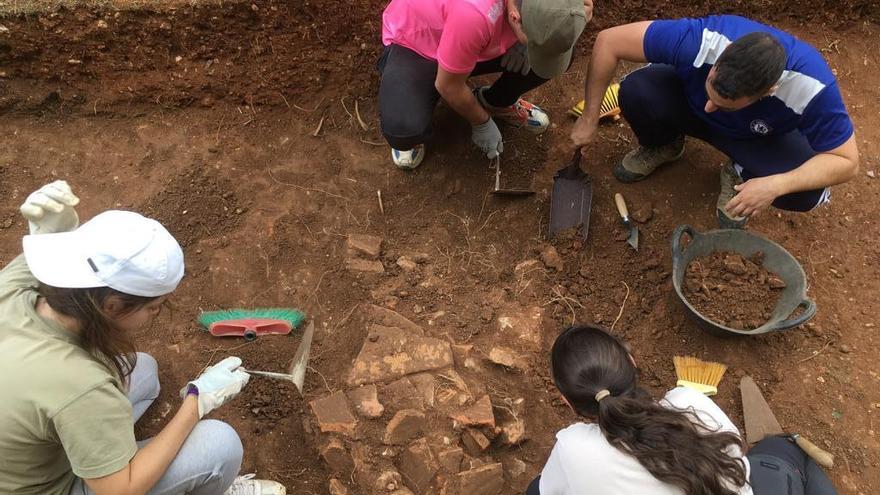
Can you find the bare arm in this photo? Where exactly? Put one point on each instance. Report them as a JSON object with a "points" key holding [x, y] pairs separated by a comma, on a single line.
{"points": [[151, 462], [454, 89], [612, 45], [823, 170]]}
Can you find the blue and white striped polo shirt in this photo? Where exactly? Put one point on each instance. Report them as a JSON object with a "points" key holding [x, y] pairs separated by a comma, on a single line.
{"points": [[807, 97]]}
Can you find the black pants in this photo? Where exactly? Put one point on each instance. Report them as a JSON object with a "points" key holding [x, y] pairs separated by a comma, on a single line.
{"points": [[407, 96], [779, 467], [653, 101]]}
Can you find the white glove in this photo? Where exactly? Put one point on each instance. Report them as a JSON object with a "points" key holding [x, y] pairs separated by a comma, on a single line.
{"points": [[49, 209], [516, 59], [218, 384], [488, 138]]}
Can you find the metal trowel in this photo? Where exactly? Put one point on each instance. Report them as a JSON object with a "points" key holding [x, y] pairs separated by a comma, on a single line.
{"points": [[633, 238], [498, 191], [300, 362], [572, 198]]}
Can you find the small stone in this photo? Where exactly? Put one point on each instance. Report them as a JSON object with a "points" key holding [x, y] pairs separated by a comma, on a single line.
{"points": [[337, 457], [333, 414], [776, 283], [870, 173], [102, 24], [388, 481], [406, 264], [513, 433], [474, 441], [417, 465], [734, 265], [516, 468], [450, 460], [507, 357], [404, 426], [360, 265], [845, 349], [550, 257], [417, 309], [335, 487], [366, 402], [820, 379], [368, 245], [485, 480], [479, 414]]}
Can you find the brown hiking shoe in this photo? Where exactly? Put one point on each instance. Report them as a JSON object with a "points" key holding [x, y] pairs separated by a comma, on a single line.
{"points": [[729, 178], [642, 161]]}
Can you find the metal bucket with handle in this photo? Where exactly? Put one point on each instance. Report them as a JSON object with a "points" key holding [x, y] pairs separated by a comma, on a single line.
{"points": [[776, 260]]}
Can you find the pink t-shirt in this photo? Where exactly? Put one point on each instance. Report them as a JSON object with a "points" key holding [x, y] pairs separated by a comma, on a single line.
{"points": [[455, 33]]}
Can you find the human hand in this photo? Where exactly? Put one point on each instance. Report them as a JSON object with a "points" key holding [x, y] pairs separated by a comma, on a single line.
{"points": [[49, 209], [516, 59], [488, 138], [588, 9], [218, 384], [584, 132], [754, 195]]}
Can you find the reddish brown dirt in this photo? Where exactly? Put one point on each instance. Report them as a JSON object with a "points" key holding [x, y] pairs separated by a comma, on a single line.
{"points": [[734, 291], [131, 127]]}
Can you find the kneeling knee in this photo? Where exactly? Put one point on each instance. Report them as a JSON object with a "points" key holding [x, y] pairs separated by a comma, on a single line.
{"points": [[221, 440]]}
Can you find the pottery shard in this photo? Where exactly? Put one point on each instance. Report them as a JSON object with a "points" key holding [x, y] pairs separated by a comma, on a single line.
{"points": [[337, 457], [366, 402], [524, 324], [506, 357], [475, 443], [333, 414], [390, 353], [485, 480], [368, 246], [478, 414], [417, 465], [404, 426], [387, 318]]}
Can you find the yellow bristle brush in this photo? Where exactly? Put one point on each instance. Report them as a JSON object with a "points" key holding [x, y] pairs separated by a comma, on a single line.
{"points": [[609, 108], [702, 376]]}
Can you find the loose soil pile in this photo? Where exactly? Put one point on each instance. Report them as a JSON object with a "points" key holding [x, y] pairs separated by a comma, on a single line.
{"points": [[732, 290]]}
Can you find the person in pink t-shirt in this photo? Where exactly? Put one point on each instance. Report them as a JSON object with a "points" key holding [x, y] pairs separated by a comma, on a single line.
{"points": [[432, 47]]}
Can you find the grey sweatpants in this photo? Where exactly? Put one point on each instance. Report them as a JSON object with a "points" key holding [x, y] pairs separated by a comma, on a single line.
{"points": [[209, 459]]}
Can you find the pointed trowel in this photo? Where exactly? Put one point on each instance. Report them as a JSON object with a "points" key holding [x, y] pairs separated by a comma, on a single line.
{"points": [[633, 238], [300, 361]]}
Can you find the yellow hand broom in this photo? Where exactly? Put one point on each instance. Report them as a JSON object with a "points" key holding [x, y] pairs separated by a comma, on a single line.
{"points": [[702, 376], [609, 108]]}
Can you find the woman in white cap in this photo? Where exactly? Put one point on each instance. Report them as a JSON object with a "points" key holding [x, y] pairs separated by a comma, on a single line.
{"points": [[71, 383], [629, 443]]}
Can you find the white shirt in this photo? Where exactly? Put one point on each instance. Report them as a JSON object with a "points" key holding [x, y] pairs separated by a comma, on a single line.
{"points": [[582, 461]]}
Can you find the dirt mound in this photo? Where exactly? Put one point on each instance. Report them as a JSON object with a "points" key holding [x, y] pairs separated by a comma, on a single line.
{"points": [[195, 204], [734, 291]]}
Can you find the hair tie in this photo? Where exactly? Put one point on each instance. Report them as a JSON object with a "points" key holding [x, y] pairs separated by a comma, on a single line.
{"points": [[602, 394]]}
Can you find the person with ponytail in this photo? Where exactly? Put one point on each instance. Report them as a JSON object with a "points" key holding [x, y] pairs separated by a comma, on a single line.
{"points": [[71, 381], [629, 443]]}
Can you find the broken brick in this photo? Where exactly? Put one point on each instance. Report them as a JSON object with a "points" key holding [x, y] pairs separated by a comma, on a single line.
{"points": [[450, 459], [478, 414], [404, 426], [475, 443], [401, 394], [388, 318], [359, 265], [366, 402], [485, 480], [367, 245], [424, 384], [507, 357], [389, 353], [337, 457], [333, 414], [417, 465]]}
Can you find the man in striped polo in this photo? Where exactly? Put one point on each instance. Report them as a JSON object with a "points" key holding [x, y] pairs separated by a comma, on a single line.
{"points": [[764, 98]]}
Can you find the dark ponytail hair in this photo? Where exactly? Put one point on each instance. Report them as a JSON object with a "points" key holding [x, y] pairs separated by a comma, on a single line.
{"points": [[97, 334], [673, 445]]}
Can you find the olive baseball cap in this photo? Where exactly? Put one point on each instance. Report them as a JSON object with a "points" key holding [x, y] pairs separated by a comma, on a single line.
{"points": [[553, 27]]}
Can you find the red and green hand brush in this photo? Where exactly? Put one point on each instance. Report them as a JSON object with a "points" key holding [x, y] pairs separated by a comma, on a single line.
{"points": [[249, 323]]}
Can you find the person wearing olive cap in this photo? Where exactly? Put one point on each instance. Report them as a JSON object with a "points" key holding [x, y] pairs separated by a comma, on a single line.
{"points": [[73, 385], [432, 47]]}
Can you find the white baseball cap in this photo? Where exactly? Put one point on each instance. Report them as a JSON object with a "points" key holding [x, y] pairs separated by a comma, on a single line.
{"points": [[118, 249]]}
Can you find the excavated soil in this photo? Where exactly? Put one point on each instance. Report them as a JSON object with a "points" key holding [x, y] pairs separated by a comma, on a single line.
{"points": [[236, 125], [732, 290]]}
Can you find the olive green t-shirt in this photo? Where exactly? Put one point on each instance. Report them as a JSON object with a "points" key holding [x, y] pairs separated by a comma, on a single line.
{"points": [[62, 413]]}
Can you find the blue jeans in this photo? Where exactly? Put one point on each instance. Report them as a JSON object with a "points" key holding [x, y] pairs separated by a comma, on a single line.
{"points": [[653, 102], [209, 459]]}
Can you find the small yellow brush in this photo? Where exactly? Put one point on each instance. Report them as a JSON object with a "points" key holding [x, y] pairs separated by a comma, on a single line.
{"points": [[609, 108], [702, 376]]}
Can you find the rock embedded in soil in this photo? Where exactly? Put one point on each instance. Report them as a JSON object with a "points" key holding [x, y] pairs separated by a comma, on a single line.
{"points": [[366, 266], [450, 459], [404, 426], [333, 414], [550, 257], [478, 414], [484, 480], [731, 290], [417, 465], [389, 353], [406, 264], [368, 246], [507, 357], [366, 402], [389, 318]]}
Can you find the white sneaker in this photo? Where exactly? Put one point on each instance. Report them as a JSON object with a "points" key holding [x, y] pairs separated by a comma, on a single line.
{"points": [[408, 159], [247, 485]]}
